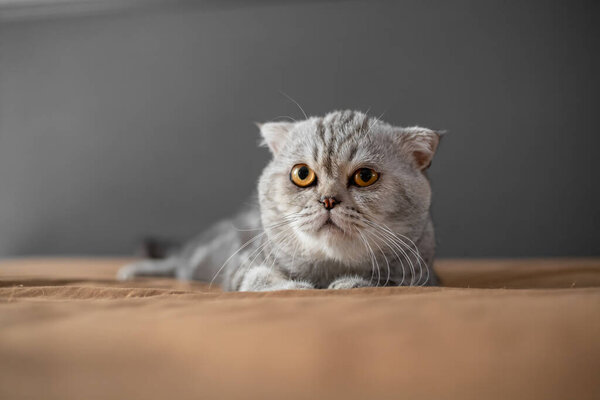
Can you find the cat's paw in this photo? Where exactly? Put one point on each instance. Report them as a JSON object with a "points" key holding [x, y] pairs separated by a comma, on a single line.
{"points": [[282, 285], [127, 272], [349, 282], [293, 285], [265, 279]]}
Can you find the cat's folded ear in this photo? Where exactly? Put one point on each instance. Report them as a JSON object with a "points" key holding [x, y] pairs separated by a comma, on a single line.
{"points": [[420, 144], [275, 134]]}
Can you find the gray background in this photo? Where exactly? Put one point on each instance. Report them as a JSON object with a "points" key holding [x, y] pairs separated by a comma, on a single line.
{"points": [[138, 121]]}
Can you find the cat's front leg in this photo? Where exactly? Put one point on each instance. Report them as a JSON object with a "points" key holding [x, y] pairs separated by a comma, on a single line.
{"points": [[263, 278], [349, 282]]}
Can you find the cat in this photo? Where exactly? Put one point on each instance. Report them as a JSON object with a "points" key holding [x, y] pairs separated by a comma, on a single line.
{"points": [[343, 203]]}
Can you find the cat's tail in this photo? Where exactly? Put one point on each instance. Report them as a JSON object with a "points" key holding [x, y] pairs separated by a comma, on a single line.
{"points": [[163, 268]]}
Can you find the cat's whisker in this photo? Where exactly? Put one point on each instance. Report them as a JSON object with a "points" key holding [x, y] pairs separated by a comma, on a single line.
{"points": [[391, 247], [246, 244], [416, 252], [285, 219], [295, 102], [263, 246], [312, 220], [283, 243], [276, 248], [399, 246], [294, 255], [260, 228], [396, 243], [373, 234], [421, 263], [389, 271], [367, 249], [284, 116], [256, 252], [377, 119], [252, 240], [373, 259]]}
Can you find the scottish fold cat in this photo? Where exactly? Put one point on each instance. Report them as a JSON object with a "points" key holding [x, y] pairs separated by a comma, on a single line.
{"points": [[343, 203]]}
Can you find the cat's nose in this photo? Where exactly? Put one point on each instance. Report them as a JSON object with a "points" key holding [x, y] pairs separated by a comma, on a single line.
{"points": [[329, 202]]}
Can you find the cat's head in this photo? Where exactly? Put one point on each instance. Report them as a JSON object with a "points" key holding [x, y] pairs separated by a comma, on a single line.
{"points": [[337, 183]]}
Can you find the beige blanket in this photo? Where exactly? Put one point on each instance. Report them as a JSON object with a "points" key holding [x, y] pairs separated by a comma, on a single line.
{"points": [[500, 329]]}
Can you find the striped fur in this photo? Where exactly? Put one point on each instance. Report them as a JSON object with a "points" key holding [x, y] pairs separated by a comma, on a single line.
{"points": [[376, 235]]}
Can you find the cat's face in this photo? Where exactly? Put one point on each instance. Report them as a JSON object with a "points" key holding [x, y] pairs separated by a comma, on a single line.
{"points": [[337, 183]]}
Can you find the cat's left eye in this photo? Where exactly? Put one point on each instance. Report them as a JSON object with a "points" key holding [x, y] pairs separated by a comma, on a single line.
{"points": [[302, 175], [365, 177]]}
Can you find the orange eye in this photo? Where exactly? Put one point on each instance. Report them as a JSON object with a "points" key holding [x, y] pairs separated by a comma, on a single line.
{"points": [[302, 175], [365, 177]]}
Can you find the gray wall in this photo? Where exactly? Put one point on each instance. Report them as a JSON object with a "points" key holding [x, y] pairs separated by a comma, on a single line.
{"points": [[139, 122]]}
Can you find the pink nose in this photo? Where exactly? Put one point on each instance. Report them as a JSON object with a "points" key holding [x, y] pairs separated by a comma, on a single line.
{"points": [[329, 202]]}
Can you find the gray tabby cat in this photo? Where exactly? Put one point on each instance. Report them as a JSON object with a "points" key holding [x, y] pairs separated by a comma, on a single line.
{"points": [[344, 203]]}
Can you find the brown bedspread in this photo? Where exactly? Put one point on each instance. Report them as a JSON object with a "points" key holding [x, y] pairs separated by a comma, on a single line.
{"points": [[503, 330]]}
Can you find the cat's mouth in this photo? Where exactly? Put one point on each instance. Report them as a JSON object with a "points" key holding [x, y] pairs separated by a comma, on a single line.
{"points": [[330, 225]]}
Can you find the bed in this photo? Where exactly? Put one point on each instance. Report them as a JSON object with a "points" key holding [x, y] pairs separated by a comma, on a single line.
{"points": [[497, 329]]}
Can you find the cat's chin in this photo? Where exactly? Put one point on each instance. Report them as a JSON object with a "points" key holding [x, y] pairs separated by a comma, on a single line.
{"points": [[332, 242]]}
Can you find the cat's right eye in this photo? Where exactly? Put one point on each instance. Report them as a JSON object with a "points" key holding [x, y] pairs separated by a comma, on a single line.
{"points": [[365, 177], [302, 175]]}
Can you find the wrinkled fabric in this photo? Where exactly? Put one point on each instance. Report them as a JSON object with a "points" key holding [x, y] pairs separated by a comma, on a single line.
{"points": [[498, 329]]}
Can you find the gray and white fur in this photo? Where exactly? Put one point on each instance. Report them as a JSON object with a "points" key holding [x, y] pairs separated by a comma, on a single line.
{"points": [[378, 235]]}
